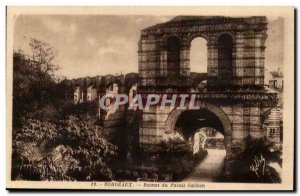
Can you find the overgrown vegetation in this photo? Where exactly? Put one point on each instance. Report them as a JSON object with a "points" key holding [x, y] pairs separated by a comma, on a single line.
{"points": [[70, 149], [52, 139], [170, 160], [253, 163], [176, 157]]}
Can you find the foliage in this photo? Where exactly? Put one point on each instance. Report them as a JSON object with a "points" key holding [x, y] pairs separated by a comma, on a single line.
{"points": [[44, 56], [52, 141], [42, 135], [175, 156], [30, 144], [88, 145], [170, 160], [253, 163], [35, 91], [71, 149], [90, 107]]}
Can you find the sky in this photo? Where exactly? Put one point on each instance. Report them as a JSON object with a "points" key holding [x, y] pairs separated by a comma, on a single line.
{"points": [[90, 45]]}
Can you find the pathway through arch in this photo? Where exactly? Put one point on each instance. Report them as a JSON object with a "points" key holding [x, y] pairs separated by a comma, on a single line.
{"points": [[209, 168]]}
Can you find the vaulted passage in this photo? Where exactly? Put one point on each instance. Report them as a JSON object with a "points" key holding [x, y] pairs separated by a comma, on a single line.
{"points": [[203, 130], [190, 121]]}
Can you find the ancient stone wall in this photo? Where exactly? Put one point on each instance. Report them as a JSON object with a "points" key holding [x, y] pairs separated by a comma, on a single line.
{"points": [[235, 74], [247, 35]]}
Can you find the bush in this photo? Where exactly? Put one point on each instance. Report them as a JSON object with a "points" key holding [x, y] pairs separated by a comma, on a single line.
{"points": [[70, 149], [175, 157], [252, 164]]}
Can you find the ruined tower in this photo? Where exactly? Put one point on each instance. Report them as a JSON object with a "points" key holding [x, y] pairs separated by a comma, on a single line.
{"points": [[235, 96]]}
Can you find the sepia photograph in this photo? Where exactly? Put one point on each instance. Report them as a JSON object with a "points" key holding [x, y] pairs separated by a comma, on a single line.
{"points": [[150, 98]]}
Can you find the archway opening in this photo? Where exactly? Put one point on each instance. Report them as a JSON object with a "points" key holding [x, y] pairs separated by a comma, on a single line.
{"points": [[78, 95], [91, 93], [173, 56], [225, 49], [132, 93], [190, 121], [111, 90], [198, 55], [204, 131], [198, 64]]}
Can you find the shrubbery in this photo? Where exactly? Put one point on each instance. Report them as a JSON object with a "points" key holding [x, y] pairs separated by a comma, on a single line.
{"points": [[170, 160], [70, 149], [176, 157], [253, 163]]}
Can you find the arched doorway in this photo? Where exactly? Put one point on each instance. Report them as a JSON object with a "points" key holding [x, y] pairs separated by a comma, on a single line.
{"points": [[209, 115], [206, 129], [190, 121], [112, 90], [202, 129], [132, 93]]}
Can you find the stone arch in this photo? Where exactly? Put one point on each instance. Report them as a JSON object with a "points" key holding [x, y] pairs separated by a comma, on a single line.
{"points": [[167, 36], [240, 29], [191, 37], [218, 112], [110, 79], [130, 80], [222, 33], [112, 85]]}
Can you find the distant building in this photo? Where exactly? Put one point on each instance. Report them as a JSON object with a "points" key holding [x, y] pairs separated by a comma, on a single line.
{"points": [[274, 123], [276, 81], [274, 128]]}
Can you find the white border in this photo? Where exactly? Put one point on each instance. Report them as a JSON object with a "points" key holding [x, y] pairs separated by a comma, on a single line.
{"points": [[110, 3]]}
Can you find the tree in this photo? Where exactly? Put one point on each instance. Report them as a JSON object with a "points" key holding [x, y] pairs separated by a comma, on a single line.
{"points": [[34, 83], [43, 56]]}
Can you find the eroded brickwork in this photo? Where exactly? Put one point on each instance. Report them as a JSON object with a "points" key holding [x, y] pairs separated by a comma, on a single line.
{"points": [[235, 75]]}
